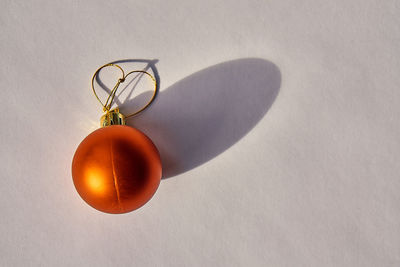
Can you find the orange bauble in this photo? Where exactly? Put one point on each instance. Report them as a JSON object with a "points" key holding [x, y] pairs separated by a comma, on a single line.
{"points": [[116, 169]]}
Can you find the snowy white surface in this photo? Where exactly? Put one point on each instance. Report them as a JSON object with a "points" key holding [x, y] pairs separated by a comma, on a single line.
{"points": [[278, 123]]}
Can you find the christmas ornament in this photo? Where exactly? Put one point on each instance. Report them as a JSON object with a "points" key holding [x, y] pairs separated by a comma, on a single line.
{"points": [[117, 168]]}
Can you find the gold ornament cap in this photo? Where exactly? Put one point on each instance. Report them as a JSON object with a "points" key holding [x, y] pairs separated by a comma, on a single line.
{"points": [[112, 117]]}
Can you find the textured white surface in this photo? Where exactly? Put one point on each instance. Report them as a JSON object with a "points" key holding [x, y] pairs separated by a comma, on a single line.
{"points": [[314, 183]]}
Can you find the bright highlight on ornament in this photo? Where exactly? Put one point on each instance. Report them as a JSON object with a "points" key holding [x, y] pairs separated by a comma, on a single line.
{"points": [[95, 181]]}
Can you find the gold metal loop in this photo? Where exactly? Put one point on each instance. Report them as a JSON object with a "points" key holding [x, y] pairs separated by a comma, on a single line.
{"points": [[94, 76], [110, 98]]}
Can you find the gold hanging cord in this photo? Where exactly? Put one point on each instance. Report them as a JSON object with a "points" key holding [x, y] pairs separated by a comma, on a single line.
{"points": [[110, 98]]}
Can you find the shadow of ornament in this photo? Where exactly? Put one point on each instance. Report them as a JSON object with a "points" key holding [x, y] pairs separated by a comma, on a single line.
{"points": [[201, 116]]}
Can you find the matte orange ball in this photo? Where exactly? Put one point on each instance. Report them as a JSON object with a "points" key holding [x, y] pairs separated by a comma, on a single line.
{"points": [[116, 169]]}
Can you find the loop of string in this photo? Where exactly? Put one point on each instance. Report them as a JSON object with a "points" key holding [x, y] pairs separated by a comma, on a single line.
{"points": [[108, 104]]}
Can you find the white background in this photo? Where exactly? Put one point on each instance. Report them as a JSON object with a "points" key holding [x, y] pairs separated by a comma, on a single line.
{"points": [[287, 156]]}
